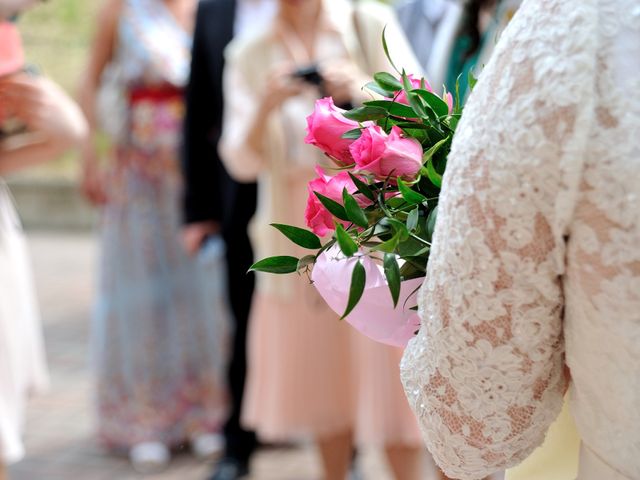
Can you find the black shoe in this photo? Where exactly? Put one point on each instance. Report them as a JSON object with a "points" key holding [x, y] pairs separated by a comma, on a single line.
{"points": [[230, 469]]}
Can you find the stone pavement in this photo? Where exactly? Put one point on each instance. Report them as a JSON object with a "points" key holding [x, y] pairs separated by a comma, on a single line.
{"points": [[59, 439]]}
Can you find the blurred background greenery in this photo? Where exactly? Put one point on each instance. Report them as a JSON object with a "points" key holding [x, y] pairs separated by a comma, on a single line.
{"points": [[57, 36]]}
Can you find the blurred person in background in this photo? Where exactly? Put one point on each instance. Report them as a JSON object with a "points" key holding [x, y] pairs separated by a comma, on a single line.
{"points": [[38, 122], [481, 23], [431, 27], [158, 330], [213, 202], [310, 374]]}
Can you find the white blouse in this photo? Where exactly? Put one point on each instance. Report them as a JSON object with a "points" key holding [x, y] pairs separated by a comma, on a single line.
{"points": [[536, 258]]}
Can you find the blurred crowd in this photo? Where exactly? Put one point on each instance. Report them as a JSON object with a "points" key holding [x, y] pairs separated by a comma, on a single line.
{"points": [[204, 104]]}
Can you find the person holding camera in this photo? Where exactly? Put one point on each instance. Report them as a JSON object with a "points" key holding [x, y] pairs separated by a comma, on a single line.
{"points": [[309, 374]]}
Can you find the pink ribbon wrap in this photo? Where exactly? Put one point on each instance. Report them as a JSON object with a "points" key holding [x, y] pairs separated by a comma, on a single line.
{"points": [[374, 316]]}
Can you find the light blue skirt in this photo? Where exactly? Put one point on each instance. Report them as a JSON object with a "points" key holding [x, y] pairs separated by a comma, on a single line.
{"points": [[161, 322]]}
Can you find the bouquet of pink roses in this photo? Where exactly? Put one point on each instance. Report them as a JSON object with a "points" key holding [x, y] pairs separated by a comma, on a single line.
{"points": [[377, 206]]}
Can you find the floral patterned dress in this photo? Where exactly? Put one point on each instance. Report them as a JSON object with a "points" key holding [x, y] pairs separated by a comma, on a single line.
{"points": [[160, 318]]}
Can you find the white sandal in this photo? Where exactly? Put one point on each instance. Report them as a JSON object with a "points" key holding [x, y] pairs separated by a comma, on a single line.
{"points": [[207, 446], [149, 457]]}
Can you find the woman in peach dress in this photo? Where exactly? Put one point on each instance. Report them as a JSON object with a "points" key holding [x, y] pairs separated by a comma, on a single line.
{"points": [[309, 373]]}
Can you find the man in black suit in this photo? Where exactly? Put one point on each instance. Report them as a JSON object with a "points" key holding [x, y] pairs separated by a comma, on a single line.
{"points": [[215, 203]]}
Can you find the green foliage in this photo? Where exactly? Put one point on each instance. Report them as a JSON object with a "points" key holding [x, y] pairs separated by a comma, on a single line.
{"points": [[354, 212], [299, 236], [392, 274], [363, 114], [358, 281], [348, 246], [278, 265], [410, 195], [334, 207]]}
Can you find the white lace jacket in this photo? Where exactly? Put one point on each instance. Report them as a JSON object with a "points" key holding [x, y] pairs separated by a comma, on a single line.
{"points": [[536, 257]]}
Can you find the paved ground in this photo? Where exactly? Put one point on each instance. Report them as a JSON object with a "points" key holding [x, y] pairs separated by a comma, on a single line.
{"points": [[59, 436]]}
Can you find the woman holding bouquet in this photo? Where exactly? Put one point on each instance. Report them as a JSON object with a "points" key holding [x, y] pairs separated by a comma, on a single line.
{"points": [[533, 284], [308, 372], [159, 318]]}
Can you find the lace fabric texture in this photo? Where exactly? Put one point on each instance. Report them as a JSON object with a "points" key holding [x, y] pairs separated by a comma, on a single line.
{"points": [[536, 255]]}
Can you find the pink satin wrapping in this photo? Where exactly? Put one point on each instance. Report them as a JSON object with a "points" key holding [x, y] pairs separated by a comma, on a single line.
{"points": [[374, 316]]}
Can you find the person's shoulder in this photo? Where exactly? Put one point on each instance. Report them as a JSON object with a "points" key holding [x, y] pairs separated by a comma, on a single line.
{"points": [[375, 11], [249, 45]]}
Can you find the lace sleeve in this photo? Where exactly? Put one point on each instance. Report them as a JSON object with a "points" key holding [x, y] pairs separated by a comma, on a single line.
{"points": [[485, 374]]}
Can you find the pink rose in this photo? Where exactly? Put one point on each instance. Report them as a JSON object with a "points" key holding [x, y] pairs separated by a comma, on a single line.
{"points": [[415, 83], [387, 155], [318, 218], [325, 127]]}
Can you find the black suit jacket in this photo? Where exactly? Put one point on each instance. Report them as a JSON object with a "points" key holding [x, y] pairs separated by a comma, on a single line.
{"points": [[210, 193]]}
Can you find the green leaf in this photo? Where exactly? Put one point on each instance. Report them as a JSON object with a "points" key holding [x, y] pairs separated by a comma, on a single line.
{"points": [[411, 196], [412, 219], [352, 134], [389, 246], [471, 80], [334, 207], [458, 106], [278, 265], [385, 47], [411, 248], [363, 114], [354, 212], [299, 236], [406, 83], [362, 187], [348, 246], [376, 88], [431, 222], [453, 121], [438, 105], [398, 227], [392, 273], [387, 81], [433, 150], [306, 261], [394, 108], [416, 104], [434, 176], [412, 126], [358, 281]]}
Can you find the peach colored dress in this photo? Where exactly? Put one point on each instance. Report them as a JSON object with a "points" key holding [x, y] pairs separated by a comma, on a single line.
{"points": [[309, 373]]}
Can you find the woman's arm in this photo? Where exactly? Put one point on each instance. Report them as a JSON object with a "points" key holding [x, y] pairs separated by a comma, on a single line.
{"points": [[246, 116], [485, 374], [99, 57], [54, 122]]}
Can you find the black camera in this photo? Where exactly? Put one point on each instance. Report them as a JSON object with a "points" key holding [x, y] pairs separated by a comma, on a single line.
{"points": [[309, 74]]}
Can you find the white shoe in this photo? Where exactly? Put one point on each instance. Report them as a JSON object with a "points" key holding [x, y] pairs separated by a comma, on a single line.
{"points": [[207, 445], [149, 457]]}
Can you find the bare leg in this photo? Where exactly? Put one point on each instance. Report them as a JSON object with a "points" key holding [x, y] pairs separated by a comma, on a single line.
{"points": [[407, 463], [335, 451], [3, 472]]}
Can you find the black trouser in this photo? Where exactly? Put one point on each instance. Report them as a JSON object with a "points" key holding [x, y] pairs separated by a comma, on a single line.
{"points": [[240, 443]]}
